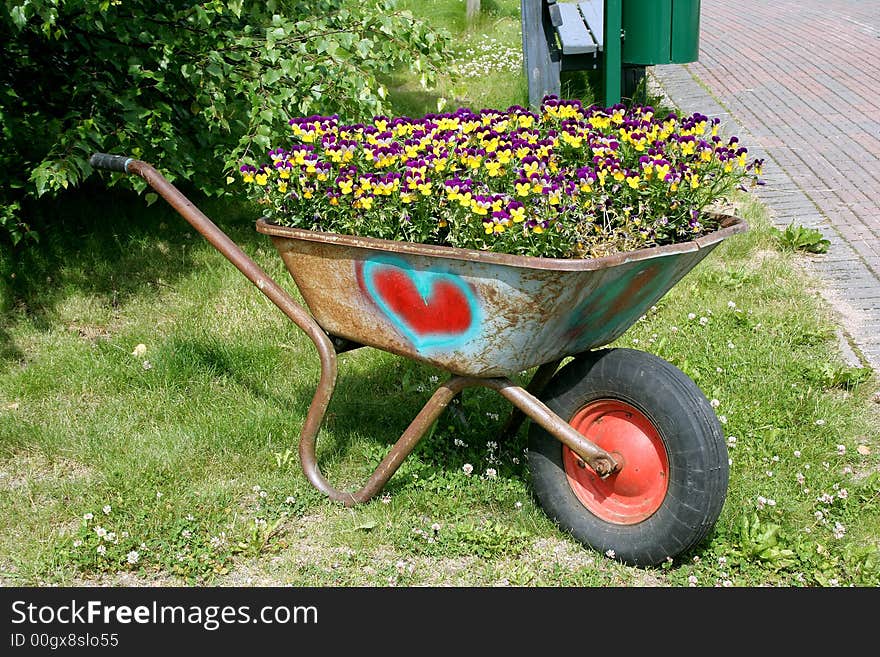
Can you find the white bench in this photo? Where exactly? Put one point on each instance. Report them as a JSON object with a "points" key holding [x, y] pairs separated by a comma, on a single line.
{"points": [[570, 36], [580, 26]]}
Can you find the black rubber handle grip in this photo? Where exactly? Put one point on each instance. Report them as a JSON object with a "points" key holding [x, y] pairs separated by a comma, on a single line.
{"points": [[110, 162]]}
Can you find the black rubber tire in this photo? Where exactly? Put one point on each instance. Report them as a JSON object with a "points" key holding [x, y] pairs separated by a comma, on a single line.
{"points": [[691, 435]]}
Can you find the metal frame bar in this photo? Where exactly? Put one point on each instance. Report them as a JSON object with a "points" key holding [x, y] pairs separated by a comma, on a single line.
{"points": [[613, 53]]}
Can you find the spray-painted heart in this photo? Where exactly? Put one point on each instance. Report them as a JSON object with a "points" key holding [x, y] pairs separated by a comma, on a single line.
{"points": [[432, 309]]}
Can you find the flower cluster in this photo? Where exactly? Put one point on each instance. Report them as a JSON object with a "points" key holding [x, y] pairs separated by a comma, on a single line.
{"points": [[566, 181]]}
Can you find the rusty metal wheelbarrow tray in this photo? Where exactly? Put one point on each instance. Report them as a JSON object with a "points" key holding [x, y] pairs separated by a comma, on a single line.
{"points": [[478, 313]]}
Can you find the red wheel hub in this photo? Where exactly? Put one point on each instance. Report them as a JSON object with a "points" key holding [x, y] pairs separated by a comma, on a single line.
{"points": [[637, 490]]}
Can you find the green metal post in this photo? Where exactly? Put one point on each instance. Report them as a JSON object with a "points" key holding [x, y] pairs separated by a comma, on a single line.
{"points": [[613, 63]]}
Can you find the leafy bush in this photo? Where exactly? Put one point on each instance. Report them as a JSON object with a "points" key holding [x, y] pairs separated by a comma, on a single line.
{"points": [[189, 87]]}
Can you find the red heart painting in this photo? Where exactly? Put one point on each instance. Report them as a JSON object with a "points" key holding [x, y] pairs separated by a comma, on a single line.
{"points": [[431, 308]]}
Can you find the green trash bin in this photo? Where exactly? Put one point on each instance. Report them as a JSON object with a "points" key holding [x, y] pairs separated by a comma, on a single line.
{"points": [[660, 32]]}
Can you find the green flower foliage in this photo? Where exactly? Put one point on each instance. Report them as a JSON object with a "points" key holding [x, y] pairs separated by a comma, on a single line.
{"points": [[190, 87]]}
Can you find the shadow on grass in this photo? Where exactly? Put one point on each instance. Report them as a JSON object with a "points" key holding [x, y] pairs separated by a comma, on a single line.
{"points": [[108, 245], [9, 352], [414, 102]]}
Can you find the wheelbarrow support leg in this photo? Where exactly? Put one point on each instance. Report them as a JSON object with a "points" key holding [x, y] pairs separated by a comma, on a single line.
{"points": [[539, 381], [395, 457]]}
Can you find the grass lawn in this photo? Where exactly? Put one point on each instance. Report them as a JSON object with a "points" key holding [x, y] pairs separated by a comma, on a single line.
{"points": [[151, 400]]}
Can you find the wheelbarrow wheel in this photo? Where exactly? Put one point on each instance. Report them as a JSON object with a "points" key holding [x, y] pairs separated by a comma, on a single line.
{"points": [[654, 419]]}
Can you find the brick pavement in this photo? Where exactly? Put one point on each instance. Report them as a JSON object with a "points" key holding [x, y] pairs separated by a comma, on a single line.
{"points": [[798, 82]]}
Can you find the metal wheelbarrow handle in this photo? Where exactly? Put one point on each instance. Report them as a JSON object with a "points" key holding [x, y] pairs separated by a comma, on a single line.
{"points": [[267, 285]]}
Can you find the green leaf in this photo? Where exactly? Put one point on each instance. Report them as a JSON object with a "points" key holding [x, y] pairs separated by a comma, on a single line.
{"points": [[18, 16]]}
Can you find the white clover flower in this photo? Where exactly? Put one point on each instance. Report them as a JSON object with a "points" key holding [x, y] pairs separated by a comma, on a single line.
{"points": [[797, 453], [132, 557], [467, 468], [88, 517], [107, 509], [692, 580], [102, 549], [691, 316], [100, 531], [491, 473], [518, 505], [436, 527], [715, 403], [764, 501], [839, 530], [610, 554], [819, 422], [290, 499], [704, 321], [801, 479], [842, 494], [722, 419], [731, 304], [386, 499], [77, 543], [841, 450]]}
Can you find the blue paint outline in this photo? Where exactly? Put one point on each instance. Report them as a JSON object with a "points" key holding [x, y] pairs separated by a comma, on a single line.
{"points": [[424, 281]]}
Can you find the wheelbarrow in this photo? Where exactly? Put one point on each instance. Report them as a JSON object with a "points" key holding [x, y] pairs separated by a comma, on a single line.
{"points": [[625, 452]]}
